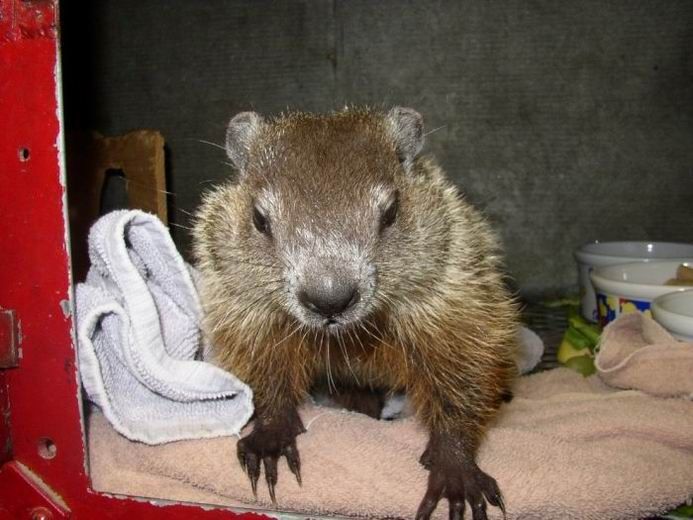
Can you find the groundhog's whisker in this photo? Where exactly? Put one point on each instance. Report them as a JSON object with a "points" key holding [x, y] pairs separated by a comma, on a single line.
{"points": [[354, 334], [315, 340], [181, 226], [330, 380], [342, 347], [254, 343], [385, 299], [434, 130], [232, 314], [379, 338], [307, 330], [144, 186], [296, 329], [210, 143], [185, 212]]}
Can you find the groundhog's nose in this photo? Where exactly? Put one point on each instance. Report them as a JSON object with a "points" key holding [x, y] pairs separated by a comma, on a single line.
{"points": [[329, 298]]}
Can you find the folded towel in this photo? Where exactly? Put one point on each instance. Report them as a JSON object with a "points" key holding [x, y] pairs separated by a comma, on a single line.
{"points": [[565, 447], [139, 338], [637, 352]]}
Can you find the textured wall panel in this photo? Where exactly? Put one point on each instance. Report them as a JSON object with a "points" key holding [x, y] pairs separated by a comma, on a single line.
{"points": [[565, 121]]}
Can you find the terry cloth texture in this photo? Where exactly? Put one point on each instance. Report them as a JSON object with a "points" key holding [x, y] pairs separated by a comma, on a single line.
{"points": [[566, 447], [139, 338], [641, 354]]}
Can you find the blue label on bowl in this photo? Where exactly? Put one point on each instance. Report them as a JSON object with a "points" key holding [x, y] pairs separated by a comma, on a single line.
{"points": [[610, 307], [607, 307], [627, 305]]}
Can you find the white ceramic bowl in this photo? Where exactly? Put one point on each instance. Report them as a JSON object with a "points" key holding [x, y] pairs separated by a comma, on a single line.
{"points": [[625, 288], [598, 254], [674, 311]]}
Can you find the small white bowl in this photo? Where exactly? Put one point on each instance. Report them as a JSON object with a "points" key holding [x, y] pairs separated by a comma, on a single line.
{"points": [[598, 254], [631, 287], [674, 311]]}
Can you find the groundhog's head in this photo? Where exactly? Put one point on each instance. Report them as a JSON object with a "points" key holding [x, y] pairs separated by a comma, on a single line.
{"points": [[324, 221]]}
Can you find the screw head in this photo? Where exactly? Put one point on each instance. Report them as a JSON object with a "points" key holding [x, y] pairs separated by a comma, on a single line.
{"points": [[41, 513]]}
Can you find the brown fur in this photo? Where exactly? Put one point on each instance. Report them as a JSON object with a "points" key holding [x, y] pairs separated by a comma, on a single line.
{"points": [[442, 325]]}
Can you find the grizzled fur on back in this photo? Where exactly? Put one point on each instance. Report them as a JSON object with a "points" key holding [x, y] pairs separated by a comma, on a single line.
{"points": [[434, 315]]}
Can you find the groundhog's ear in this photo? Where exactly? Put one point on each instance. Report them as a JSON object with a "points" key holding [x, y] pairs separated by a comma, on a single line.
{"points": [[242, 131], [406, 128]]}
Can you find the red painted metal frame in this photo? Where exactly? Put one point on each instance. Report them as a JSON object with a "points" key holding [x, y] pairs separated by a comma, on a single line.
{"points": [[39, 400]]}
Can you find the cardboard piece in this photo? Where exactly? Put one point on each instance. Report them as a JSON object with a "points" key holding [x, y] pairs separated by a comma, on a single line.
{"points": [[139, 155]]}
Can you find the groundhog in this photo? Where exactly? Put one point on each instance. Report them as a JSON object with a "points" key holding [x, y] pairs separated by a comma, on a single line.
{"points": [[338, 257]]}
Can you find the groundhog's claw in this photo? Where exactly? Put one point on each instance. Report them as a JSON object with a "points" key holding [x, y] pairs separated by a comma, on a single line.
{"points": [[250, 464], [294, 461], [270, 440], [459, 482], [270, 464]]}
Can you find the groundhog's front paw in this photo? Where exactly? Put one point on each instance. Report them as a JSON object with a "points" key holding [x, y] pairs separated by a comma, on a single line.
{"points": [[269, 440], [458, 480]]}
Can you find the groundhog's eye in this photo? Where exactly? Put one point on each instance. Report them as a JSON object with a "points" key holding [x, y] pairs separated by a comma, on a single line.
{"points": [[261, 222], [390, 214]]}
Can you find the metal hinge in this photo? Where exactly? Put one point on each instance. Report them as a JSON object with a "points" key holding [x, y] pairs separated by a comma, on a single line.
{"points": [[9, 339]]}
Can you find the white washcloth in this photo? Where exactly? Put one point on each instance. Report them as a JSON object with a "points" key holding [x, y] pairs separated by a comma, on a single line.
{"points": [[531, 349], [139, 338]]}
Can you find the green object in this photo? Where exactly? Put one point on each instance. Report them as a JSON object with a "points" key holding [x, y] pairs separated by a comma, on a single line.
{"points": [[578, 340], [588, 330], [582, 364], [571, 301], [567, 350], [680, 513]]}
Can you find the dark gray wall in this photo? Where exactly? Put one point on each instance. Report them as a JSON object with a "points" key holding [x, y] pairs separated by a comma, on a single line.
{"points": [[566, 121]]}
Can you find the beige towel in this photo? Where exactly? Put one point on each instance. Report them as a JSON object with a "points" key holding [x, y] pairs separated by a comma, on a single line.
{"points": [[638, 353], [565, 447]]}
